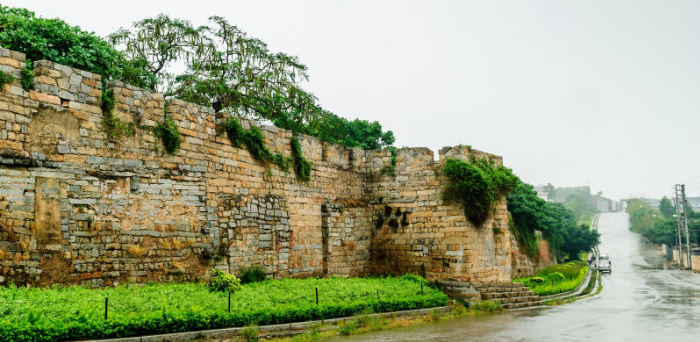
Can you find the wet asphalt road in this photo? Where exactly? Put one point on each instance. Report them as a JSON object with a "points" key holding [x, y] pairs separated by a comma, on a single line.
{"points": [[644, 299]]}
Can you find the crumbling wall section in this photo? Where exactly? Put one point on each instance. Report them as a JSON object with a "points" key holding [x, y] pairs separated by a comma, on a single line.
{"points": [[418, 232]]}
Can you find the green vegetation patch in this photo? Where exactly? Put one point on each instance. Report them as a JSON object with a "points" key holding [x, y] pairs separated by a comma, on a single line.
{"points": [[254, 142], [556, 279], [478, 185], [68, 313], [5, 78]]}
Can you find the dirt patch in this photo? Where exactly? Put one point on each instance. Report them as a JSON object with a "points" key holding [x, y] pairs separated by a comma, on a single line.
{"points": [[543, 250], [56, 270], [47, 210], [46, 123], [195, 267]]}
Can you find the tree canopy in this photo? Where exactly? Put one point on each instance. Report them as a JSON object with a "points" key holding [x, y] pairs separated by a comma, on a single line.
{"points": [[556, 223], [666, 208], [230, 71], [53, 39], [224, 68]]}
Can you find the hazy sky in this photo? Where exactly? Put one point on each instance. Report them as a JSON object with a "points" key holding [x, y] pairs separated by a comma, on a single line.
{"points": [[605, 93]]}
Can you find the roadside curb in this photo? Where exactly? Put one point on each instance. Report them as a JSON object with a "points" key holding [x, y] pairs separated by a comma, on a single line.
{"points": [[287, 329]]}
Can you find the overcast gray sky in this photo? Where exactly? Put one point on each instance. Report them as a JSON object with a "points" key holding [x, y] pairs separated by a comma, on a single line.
{"points": [[604, 93]]}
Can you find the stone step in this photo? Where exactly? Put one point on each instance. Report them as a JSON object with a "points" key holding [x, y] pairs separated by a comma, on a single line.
{"points": [[517, 299], [522, 305], [461, 293], [502, 289], [494, 295]]}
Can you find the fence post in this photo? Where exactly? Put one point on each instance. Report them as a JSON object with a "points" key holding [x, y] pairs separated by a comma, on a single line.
{"points": [[229, 302], [106, 306], [317, 296], [421, 289], [377, 294]]}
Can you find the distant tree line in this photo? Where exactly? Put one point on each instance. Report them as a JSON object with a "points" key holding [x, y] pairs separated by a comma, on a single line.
{"points": [[556, 223], [658, 226]]}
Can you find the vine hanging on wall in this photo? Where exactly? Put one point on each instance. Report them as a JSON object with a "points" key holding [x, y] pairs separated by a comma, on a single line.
{"points": [[168, 132], [27, 75], [477, 184], [255, 143], [113, 125], [302, 167]]}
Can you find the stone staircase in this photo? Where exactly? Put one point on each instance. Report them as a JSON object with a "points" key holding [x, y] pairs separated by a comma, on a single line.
{"points": [[461, 290], [510, 295]]}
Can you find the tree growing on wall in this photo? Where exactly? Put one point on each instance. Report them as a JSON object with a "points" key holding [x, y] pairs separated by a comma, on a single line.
{"points": [[230, 71], [55, 40], [223, 68]]}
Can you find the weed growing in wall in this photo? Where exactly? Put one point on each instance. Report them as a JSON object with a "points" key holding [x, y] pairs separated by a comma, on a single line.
{"points": [[254, 141], [113, 125], [477, 184], [28, 75], [167, 131], [5, 78], [302, 167]]}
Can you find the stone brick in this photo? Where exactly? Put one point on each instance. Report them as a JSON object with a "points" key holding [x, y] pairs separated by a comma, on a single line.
{"points": [[41, 97]]}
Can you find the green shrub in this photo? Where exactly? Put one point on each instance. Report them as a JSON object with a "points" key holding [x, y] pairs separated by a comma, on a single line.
{"points": [[252, 274], [5, 78], [477, 184], [555, 282], [556, 277], [416, 279], [535, 280], [569, 270], [223, 282], [250, 333], [434, 315], [169, 133], [487, 306], [347, 328], [28, 75]]}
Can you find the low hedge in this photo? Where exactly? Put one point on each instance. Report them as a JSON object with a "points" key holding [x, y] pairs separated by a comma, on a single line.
{"points": [[556, 279], [78, 313]]}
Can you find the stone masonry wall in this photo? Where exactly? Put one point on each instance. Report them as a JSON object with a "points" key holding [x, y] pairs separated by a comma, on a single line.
{"points": [[419, 232], [80, 207]]}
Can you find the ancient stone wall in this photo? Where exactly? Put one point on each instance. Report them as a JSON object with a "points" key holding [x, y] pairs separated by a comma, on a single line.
{"points": [[418, 232], [78, 206]]}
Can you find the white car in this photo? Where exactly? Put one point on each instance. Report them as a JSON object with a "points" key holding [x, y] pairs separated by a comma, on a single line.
{"points": [[604, 266]]}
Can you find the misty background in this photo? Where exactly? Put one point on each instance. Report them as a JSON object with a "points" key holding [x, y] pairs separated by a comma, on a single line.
{"points": [[571, 93]]}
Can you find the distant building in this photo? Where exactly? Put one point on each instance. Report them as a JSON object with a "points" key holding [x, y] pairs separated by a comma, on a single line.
{"points": [[693, 202], [653, 202], [543, 191]]}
